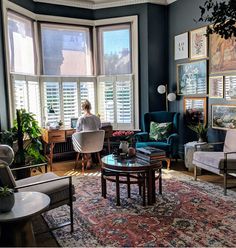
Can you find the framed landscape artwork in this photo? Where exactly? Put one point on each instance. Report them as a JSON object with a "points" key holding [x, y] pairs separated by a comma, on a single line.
{"points": [[224, 117], [195, 110], [181, 46], [216, 87], [198, 43], [222, 55], [230, 88], [192, 78]]}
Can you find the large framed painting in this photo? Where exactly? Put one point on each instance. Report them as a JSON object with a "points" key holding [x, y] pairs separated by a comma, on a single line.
{"points": [[222, 55], [192, 78], [195, 110], [216, 87], [230, 88], [198, 43], [181, 46], [223, 116]]}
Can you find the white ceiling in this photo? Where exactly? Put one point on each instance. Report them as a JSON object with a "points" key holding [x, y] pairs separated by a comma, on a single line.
{"points": [[99, 4]]}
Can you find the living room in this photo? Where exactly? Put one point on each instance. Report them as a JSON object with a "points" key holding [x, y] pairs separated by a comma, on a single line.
{"points": [[139, 64]]}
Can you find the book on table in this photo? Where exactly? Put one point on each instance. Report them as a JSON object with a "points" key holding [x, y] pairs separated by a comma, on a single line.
{"points": [[151, 151], [149, 158]]}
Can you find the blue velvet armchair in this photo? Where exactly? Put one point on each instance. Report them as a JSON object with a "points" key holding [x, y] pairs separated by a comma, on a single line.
{"points": [[172, 142]]}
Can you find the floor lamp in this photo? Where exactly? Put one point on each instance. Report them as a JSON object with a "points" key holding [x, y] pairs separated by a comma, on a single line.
{"points": [[162, 89]]}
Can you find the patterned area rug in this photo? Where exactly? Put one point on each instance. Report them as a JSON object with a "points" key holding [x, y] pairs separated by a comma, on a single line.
{"points": [[188, 214]]}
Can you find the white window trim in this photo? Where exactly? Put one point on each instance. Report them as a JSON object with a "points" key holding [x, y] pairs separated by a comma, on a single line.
{"points": [[133, 20]]}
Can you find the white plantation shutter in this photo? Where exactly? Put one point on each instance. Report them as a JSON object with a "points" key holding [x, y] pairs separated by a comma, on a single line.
{"points": [[20, 94], [70, 101]]}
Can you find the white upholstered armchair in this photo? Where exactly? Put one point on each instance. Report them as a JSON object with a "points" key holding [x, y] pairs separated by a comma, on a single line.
{"points": [[222, 163]]}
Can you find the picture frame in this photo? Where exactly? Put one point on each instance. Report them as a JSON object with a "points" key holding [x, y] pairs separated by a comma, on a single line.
{"points": [[230, 88], [223, 116], [222, 57], [192, 78], [198, 43], [181, 46], [216, 87], [195, 110]]}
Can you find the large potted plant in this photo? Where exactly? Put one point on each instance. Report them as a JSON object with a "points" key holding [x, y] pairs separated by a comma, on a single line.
{"points": [[7, 199]]}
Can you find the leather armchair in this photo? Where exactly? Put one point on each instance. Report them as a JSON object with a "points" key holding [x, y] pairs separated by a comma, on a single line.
{"points": [[172, 142]]}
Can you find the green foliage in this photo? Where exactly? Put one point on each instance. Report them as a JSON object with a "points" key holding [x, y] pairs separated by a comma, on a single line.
{"points": [[5, 191], [200, 130], [221, 15]]}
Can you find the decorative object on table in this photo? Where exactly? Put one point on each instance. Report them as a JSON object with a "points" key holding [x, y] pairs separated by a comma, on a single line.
{"points": [[7, 199], [195, 110], [50, 110], [150, 154], [60, 123], [163, 89], [222, 57], [216, 87], [221, 15], [181, 46], [230, 88], [124, 136], [124, 146], [198, 43], [201, 130], [192, 78], [224, 116], [131, 152]]}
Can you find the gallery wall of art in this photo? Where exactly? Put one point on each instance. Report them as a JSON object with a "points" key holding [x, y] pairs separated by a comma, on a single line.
{"points": [[202, 70]]}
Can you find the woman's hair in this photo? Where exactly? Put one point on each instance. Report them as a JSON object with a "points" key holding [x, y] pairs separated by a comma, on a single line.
{"points": [[86, 105]]}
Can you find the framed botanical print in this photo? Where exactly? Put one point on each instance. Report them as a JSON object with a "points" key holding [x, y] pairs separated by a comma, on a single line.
{"points": [[222, 57], [192, 78], [195, 110], [230, 88], [216, 87], [198, 43], [181, 46], [223, 116]]}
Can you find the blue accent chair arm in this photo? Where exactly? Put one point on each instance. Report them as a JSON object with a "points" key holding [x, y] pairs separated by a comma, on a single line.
{"points": [[173, 138], [141, 137]]}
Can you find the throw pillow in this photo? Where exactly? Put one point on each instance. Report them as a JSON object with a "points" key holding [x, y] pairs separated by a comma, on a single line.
{"points": [[160, 131]]}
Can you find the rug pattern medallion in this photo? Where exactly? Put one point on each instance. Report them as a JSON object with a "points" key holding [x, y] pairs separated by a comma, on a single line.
{"points": [[188, 214]]}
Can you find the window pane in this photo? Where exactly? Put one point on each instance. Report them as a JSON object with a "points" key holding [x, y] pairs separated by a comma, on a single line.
{"points": [[21, 42], [105, 101], [87, 93], [115, 51], [66, 50], [52, 99], [20, 94], [34, 99], [70, 101]]}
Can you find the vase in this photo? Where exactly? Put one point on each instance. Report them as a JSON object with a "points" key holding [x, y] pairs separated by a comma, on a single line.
{"points": [[124, 146], [7, 203]]}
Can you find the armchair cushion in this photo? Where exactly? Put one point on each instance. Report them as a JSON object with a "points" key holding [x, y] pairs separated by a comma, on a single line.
{"points": [[160, 131]]}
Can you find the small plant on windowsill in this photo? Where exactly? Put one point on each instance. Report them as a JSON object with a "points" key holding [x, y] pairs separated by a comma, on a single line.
{"points": [[201, 130]]}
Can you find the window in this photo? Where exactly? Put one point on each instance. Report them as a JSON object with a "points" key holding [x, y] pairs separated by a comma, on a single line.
{"points": [[66, 50], [21, 44], [114, 49]]}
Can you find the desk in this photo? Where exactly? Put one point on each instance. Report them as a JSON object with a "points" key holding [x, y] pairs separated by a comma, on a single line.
{"points": [[16, 225]]}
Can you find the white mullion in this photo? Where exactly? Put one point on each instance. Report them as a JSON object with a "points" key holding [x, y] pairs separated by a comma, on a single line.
{"points": [[27, 93], [114, 79], [61, 100], [79, 97], [96, 94]]}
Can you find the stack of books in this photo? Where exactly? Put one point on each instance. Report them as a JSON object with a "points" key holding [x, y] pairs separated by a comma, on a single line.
{"points": [[150, 154]]}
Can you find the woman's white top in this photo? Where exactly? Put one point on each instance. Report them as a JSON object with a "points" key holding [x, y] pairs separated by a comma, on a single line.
{"points": [[88, 123]]}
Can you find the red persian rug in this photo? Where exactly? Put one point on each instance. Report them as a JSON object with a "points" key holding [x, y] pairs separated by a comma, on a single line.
{"points": [[188, 214]]}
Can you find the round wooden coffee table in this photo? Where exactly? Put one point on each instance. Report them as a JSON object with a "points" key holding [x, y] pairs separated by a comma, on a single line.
{"points": [[16, 226], [143, 173]]}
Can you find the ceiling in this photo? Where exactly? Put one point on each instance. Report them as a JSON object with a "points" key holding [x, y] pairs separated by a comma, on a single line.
{"points": [[99, 4]]}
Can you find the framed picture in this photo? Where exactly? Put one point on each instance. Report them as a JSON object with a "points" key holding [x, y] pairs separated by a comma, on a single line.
{"points": [[192, 78], [222, 55], [216, 87], [195, 110], [198, 43], [223, 116], [181, 46], [230, 88]]}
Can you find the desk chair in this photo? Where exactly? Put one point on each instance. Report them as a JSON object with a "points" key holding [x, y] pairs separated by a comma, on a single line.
{"points": [[88, 142]]}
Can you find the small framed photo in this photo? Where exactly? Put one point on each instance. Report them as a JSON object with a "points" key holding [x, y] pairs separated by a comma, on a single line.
{"points": [[195, 110], [216, 87], [198, 43], [230, 88], [223, 116], [181, 46]]}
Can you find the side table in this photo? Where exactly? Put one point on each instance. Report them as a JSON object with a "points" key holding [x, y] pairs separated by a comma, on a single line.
{"points": [[16, 226]]}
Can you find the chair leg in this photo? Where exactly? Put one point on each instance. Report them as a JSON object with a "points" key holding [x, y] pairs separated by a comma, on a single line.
{"points": [[71, 206], [225, 183], [83, 163], [168, 163], [99, 158], [77, 159], [195, 172]]}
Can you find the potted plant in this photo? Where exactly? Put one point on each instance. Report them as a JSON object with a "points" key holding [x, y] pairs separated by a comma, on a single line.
{"points": [[7, 199], [201, 131]]}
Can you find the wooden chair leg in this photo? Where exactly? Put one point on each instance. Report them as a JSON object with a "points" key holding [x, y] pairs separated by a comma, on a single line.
{"points": [[195, 172], [83, 162], [168, 163], [77, 159], [99, 158]]}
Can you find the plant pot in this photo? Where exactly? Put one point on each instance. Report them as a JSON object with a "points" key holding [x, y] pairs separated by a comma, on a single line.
{"points": [[7, 203]]}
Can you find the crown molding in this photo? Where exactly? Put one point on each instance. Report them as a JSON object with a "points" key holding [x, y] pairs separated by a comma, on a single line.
{"points": [[104, 4]]}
